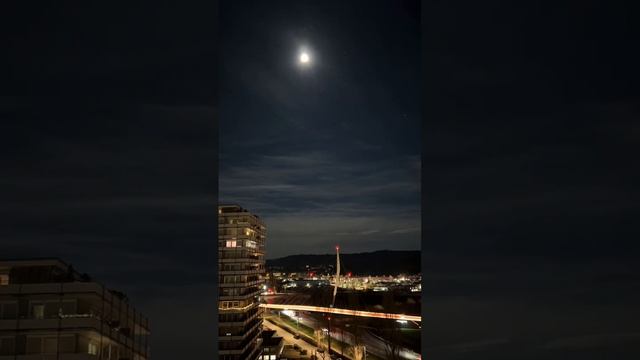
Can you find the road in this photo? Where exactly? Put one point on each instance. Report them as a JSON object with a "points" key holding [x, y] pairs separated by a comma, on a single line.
{"points": [[289, 339], [374, 344], [348, 312]]}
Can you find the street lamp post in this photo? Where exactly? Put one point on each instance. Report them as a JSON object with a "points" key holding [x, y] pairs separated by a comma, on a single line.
{"points": [[329, 338], [342, 340]]}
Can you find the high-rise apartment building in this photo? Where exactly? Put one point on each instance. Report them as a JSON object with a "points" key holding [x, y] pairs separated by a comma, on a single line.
{"points": [[241, 244], [50, 311]]}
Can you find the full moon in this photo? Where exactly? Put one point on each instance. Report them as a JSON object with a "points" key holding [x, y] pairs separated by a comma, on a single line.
{"points": [[304, 58]]}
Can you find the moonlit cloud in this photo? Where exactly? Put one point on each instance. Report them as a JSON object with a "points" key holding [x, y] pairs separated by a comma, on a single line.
{"points": [[331, 154]]}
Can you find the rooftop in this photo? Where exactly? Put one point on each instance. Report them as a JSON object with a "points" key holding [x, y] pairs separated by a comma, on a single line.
{"points": [[268, 338]]}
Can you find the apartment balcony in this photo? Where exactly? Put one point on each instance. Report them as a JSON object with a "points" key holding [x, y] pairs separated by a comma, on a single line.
{"points": [[242, 272], [249, 347], [246, 333], [50, 357], [53, 288], [257, 249], [256, 314], [249, 260], [87, 322], [242, 284], [73, 324], [82, 356], [247, 295]]}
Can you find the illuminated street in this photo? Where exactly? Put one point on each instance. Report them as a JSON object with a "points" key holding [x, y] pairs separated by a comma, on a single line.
{"points": [[347, 312], [374, 344], [288, 337]]}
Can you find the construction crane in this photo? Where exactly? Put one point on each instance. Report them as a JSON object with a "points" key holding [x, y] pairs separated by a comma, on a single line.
{"points": [[333, 300], [335, 287]]}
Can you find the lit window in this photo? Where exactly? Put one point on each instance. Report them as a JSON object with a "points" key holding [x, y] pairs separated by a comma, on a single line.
{"points": [[4, 279], [250, 244], [38, 311], [231, 243], [93, 349]]}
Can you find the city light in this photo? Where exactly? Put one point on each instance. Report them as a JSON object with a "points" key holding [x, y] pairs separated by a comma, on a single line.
{"points": [[327, 310], [308, 281]]}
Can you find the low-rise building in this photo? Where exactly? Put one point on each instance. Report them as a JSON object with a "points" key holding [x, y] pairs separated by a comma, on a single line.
{"points": [[50, 311], [271, 345]]}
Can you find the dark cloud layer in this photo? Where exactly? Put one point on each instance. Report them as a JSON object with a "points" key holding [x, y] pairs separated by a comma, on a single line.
{"points": [[530, 200], [329, 154]]}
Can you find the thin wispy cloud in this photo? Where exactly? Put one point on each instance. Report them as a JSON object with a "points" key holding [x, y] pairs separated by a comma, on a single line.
{"points": [[311, 198]]}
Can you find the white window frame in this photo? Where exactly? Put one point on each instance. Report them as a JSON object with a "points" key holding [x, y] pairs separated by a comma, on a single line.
{"points": [[37, 315], [92, 348]]}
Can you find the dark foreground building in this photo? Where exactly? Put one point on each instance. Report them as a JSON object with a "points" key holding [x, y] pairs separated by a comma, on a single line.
{"points": [[50, 311], [272, 345], [241, 243]]}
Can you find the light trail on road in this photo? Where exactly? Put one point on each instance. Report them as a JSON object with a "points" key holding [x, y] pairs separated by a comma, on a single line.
{"points": [[370, 314]]}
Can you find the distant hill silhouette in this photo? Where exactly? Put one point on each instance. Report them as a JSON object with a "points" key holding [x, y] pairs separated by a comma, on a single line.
{"points": [[383, 262]]}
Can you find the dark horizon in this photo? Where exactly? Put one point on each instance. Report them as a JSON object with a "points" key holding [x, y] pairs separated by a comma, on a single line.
{"points": [[353, 253]]}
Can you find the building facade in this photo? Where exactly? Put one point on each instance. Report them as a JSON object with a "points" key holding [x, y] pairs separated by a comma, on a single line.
{"points": [[50, 311], [272, 345], [241, 268]]}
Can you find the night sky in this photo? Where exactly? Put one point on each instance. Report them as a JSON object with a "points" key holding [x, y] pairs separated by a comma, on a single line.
{"points": [[328, 154], [110, 124], [530, 180], [109, 155]]}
